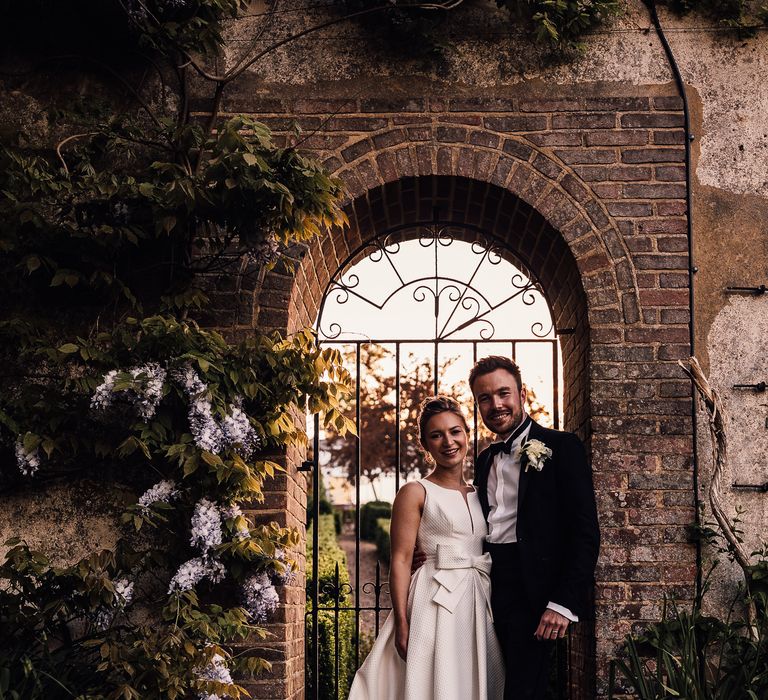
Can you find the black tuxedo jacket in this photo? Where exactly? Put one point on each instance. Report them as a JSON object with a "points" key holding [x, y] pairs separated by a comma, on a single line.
{"points": [[557, 532]]}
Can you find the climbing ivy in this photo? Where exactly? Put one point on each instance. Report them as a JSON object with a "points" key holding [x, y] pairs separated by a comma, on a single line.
{"points": [[743, 16], [119, 210]]}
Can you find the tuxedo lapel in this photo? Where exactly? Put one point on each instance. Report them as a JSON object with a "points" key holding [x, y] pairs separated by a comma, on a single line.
{"points": [[481, 480], [535, 433], [522, 486]]}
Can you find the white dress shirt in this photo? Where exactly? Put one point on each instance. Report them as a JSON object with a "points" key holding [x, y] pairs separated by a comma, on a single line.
{"points": [[503, 484]]}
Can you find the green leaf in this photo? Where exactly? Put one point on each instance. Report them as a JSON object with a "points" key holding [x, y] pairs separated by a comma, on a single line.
{"points": [[168, 223], [190, 466], [31, 442], [68, 348], [211, 460], [48, 446]]}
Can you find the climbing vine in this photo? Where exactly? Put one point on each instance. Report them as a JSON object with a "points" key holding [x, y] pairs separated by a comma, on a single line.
{"points": [[743, 16], [119, 212]]}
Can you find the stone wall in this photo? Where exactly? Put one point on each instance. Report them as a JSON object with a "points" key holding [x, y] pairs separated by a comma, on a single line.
{"points": [[589, 153], [605, 131], [586, 188]]}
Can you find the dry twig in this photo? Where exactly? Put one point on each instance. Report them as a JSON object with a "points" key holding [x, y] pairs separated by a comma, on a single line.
{"points": [[714, 407]]}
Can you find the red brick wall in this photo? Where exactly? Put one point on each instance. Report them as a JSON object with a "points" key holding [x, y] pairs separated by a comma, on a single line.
{"points": [[589, 193]]}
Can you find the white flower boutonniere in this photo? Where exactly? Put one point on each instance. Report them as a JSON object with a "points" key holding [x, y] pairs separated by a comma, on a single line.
{"points": [[537, 453]]}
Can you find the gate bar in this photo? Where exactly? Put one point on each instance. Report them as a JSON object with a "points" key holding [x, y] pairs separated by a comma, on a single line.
{"points": [[397, 418], [555, 387], [442, 341], [437, 351], [358, 459], [316, 554], [474, 414]]}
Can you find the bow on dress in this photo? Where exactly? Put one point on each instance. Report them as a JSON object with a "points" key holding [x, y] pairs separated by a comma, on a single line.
{"points": [[454, 571]]}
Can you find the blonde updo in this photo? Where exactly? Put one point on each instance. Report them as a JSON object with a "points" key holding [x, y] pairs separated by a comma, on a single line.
{"points": [[434, 405]]}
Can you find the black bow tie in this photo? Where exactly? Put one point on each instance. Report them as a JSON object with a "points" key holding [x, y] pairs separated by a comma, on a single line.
{"points": [[496, 448]]}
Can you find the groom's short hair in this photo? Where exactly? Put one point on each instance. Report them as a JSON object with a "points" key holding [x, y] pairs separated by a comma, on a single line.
{"points": [[491, 364]]}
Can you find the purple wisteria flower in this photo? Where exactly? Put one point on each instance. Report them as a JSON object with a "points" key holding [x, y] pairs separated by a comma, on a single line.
{"points": [[27, 461], [235, 514], [234, 430], [239, 433], [122, 599], [205, 429], [191, 572], [288, 575], [162, 492], [143, 395], [260, 598], [102, 397], [216, 671], [206, 525]]}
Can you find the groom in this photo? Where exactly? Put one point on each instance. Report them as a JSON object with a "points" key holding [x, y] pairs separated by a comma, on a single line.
{"points": [[535, 487]]}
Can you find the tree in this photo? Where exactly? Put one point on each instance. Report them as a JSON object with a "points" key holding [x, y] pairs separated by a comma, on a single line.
{"points": [[378, 418]]}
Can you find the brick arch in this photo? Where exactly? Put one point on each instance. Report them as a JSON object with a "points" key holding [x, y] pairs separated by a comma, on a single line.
{"points": [[514, 163], [625, 235], [527, 235], [510, 220]]}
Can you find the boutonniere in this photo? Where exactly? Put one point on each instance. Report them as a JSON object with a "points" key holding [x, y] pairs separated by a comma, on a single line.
{"points": [[536, 453]]}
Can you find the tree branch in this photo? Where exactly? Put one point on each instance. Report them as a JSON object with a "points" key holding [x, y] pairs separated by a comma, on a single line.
{"points": [[714, 407], [67, 140], [231, 75]]}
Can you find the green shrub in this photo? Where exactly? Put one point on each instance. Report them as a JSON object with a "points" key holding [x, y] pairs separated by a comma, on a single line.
{"points": [[382, 539], [369, 514], [326, 508], [689, 654], [330, 556]]}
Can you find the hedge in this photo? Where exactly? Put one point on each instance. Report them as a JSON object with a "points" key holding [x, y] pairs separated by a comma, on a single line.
{"points": [[326, 507], [369, 514], [382, 539], [330, 555]]}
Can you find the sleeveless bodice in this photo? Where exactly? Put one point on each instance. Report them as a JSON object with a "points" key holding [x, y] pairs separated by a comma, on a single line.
{"points": [[448, 519]]}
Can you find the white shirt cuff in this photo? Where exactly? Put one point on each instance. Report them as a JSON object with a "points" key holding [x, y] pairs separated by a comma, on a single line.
{"points": [[563, 611]]}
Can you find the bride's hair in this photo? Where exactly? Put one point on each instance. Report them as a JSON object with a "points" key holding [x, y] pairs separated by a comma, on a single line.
{"points": [[433, 405]]}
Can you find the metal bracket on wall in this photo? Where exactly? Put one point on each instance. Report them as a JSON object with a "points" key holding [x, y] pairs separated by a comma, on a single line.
{"points": [[762, 488], [757, 291], [759, 387]]}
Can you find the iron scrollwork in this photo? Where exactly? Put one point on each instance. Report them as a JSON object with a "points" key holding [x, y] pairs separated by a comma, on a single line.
{"points": [[335, 591], [458, 303]]}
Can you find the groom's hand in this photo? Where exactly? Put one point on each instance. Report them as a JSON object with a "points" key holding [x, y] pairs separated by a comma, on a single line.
{"points": [[418, 559], [552, 625]]}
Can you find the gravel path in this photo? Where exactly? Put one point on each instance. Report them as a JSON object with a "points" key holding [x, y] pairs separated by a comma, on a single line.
{"points": [[368, 557]]}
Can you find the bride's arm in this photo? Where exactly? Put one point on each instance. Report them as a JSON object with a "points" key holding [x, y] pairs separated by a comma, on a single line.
{"points": [[406, 516]]}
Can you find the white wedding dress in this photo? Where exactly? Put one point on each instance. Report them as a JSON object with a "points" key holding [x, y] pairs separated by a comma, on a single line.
{"points": [[453, 653]]}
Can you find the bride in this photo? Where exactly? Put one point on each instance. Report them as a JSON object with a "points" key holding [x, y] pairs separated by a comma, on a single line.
{"points": [[439, 640]]}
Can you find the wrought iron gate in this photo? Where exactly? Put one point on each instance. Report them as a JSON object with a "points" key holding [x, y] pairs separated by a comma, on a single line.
{"points": [[445, 271]]}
